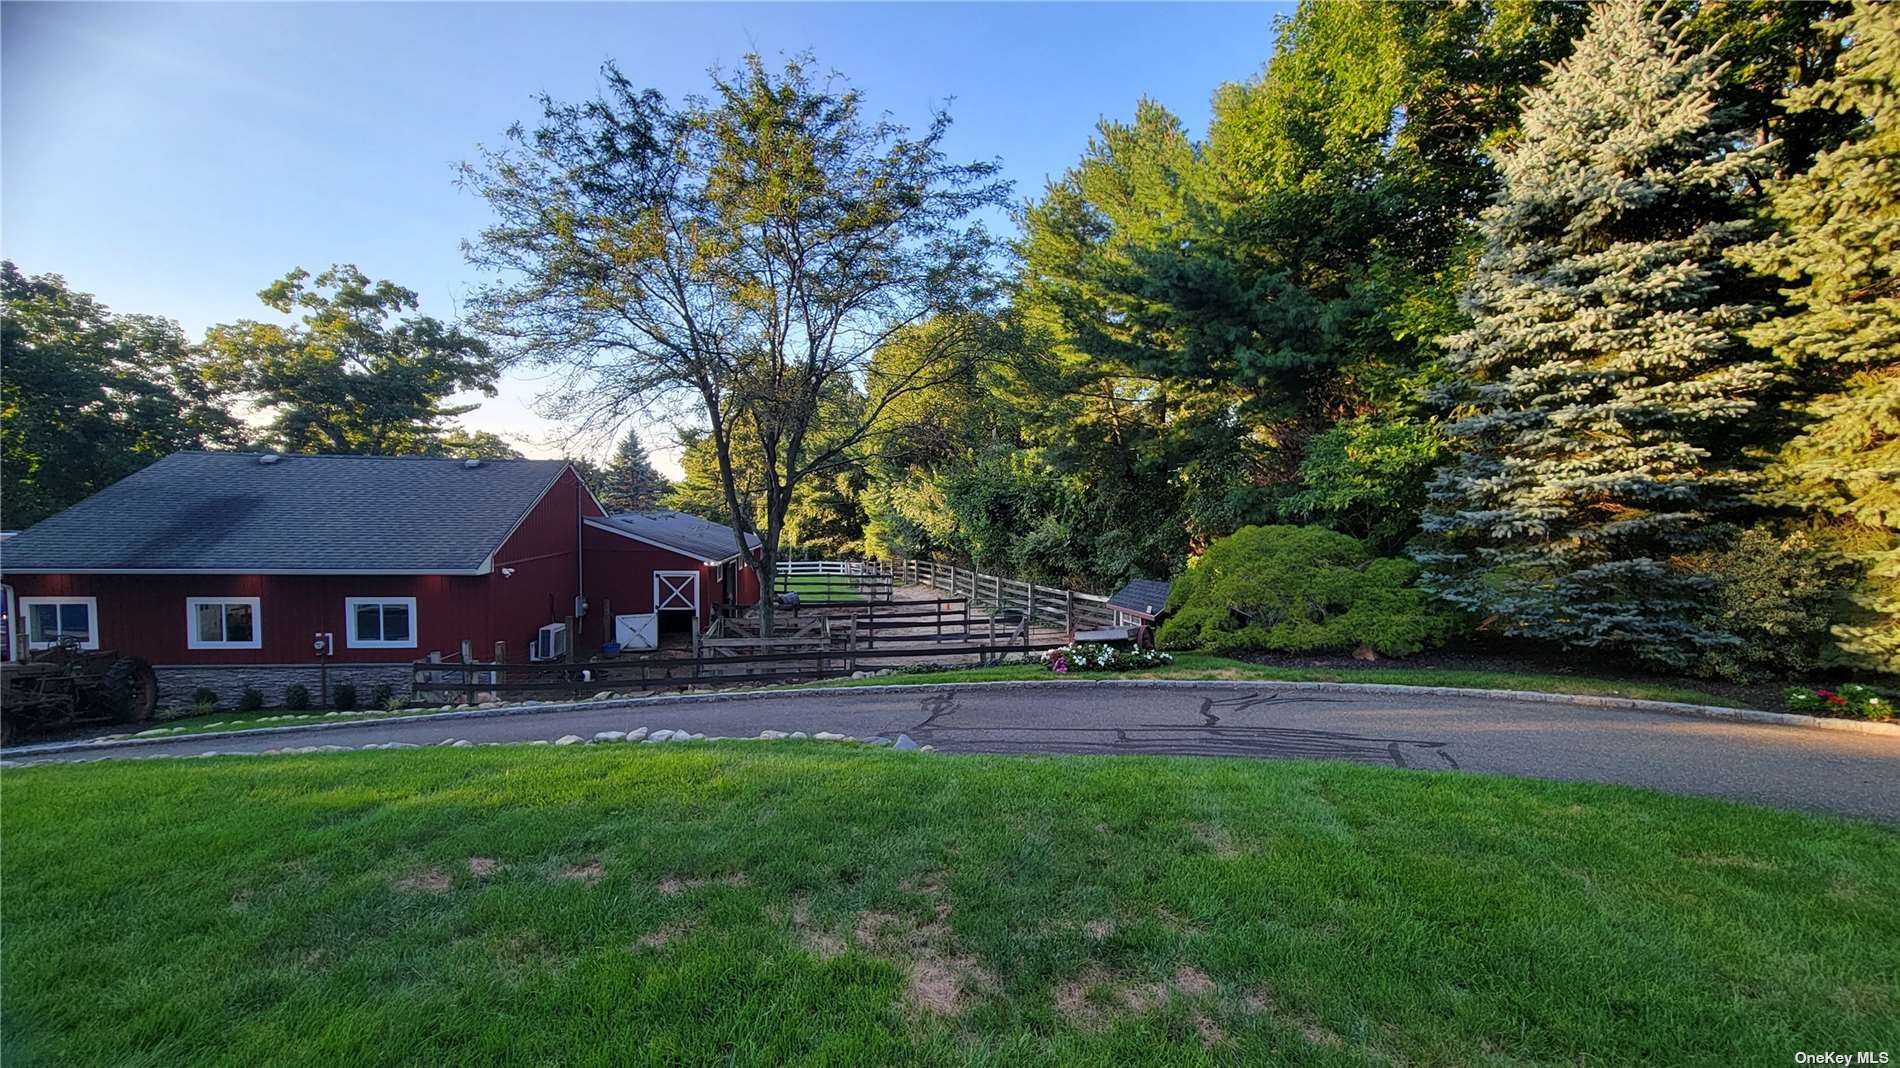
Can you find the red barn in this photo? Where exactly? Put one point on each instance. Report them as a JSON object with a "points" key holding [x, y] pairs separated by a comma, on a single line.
{"points": [[671, 565], [229, 570]]}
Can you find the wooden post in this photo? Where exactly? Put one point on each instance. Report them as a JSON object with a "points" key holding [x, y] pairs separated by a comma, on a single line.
{"points": [[501, 657], [1068, 612], [468, 651]]}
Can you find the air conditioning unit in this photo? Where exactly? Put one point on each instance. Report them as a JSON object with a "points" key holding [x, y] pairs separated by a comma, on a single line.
{"points": [[550, 642]]}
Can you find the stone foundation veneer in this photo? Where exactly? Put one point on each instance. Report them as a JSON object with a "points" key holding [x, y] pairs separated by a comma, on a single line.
{"points": [[176, 682]]}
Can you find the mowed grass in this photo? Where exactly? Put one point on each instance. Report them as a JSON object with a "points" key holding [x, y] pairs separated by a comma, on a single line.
{"points": [[782, 903], [198, 723], [1202, 666], [820, 589]]}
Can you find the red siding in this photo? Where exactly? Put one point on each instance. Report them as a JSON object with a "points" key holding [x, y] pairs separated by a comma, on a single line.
{"points": [[543, 555], [538, 570], [145, 614], [620, 579], [748, 585]]}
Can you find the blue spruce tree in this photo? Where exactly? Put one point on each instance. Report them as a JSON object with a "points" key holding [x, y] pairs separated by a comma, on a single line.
{"points": [[1601, 394]]}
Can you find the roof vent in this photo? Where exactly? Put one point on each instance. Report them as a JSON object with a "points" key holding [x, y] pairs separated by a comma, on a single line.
{"points": [[471, 464], [269, 458]]}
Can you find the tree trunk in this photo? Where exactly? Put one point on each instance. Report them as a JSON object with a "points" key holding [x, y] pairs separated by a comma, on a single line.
{"points": [[768, 595]]}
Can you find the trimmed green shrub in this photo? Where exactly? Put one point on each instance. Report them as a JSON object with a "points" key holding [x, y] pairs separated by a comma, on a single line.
{"points": [[296, 697], [1777, 596], [343, 696], [204, 698], [250, 700], [383, 697], [1300, 590]]}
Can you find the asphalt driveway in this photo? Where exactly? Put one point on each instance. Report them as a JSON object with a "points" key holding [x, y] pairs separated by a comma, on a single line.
{"points": [[1791, 767]]}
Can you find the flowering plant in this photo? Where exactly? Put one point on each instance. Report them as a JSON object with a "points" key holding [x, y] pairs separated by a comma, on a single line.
{"points": [[1852, 700], [1095, 656]]}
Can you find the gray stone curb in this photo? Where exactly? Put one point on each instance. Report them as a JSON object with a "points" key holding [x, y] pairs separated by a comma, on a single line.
{"points": [[1670, 708]]}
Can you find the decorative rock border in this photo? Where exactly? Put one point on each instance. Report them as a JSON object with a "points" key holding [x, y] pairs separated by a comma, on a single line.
{"points": [[1670, 708], [641, 735]]}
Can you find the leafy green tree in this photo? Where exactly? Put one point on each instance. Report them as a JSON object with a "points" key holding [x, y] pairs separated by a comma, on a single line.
{"points": [[826, 519], [1603, 397], [741, 257], [702, 492], [353, 375], [1768, 50], [88, 397], [630, 482], [1366, 477], [1839, 247], [473, 445], [1226, 302], [1106, 402]]}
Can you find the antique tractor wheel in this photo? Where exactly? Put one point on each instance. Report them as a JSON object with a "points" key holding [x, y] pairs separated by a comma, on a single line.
{"points": [[128, 692]]}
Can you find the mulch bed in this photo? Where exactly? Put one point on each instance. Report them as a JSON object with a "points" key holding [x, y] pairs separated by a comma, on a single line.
{"points": [[1529, 659]]}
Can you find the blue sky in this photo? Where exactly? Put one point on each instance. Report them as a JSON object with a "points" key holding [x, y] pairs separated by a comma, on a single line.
{"points": [[175, 159]]}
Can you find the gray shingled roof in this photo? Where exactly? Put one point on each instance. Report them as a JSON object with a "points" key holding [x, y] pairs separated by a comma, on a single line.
{"points": [[224, 512], [1143, 596], [685, 534]]}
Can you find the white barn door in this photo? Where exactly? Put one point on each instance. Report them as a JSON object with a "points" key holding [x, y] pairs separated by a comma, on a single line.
{"points": [[676, 591], [638, 631]]}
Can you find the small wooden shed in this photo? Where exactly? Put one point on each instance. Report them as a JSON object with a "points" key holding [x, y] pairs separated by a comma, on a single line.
{"points": [[1141, 602]]}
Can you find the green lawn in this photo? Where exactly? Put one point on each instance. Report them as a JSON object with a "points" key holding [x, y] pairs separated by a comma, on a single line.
{"points": [[772, 903], [819, 589], [1201, 666], [198, 723]]}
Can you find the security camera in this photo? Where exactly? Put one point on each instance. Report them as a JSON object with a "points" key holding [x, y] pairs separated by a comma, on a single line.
{"points": [[507, 572]]}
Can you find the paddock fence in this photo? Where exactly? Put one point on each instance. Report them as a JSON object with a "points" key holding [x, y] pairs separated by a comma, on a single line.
{"points": [[1063, 609]]}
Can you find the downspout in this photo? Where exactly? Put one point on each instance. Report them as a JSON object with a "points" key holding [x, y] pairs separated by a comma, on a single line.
{"points": [[580, 558]]}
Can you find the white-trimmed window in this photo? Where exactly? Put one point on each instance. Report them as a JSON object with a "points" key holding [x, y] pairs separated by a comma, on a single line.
{"points": [[223, 623], [48, 619], [380, 622]]}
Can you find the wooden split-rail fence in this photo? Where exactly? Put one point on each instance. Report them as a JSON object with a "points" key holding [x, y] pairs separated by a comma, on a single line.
{"points": [[1066, 610], [988, 617], [472, 679]]}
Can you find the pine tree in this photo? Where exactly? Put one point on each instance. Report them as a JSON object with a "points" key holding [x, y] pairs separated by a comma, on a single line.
{"points": [[630, 482], [1601, 393], [1840, 244]]}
